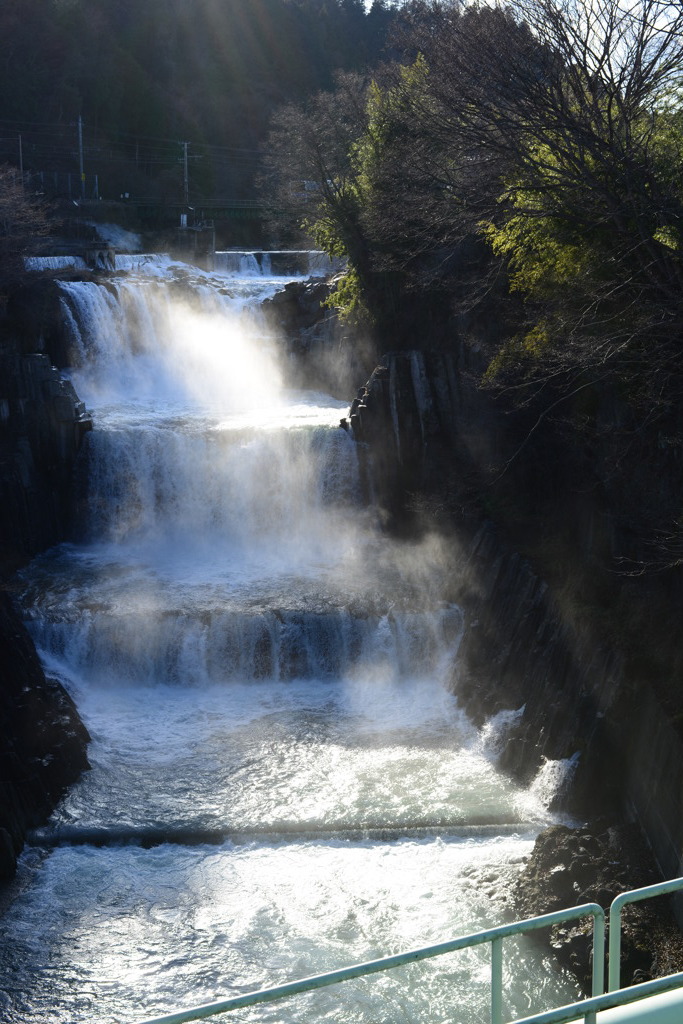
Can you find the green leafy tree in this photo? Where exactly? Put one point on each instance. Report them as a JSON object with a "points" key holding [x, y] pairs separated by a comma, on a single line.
{"points": [[589, 208], [311, 170]]}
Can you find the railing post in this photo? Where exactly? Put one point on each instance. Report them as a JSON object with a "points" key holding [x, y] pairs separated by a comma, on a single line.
{"points": [[598, 957], [614, 941], [497, 981]]}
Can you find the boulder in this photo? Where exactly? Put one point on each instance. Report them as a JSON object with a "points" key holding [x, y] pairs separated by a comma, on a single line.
{"points": [[572, 866]]}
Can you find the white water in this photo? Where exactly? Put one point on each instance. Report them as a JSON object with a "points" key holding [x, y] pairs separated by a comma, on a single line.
{"points": [[257, 262], [39, 263], [282, 782]]}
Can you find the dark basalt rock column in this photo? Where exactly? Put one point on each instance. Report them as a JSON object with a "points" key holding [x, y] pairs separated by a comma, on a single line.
{"points": [[548, 650], [316, 344], [42, 423], [42, 739]]}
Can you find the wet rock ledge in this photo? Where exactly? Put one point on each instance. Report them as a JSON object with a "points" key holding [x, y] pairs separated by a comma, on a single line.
{"points": [[42, 739], [42, 423], [572, 866]]}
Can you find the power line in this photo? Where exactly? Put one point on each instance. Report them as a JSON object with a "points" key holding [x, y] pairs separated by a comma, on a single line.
{"points": [[62, 128], [121, 162]]}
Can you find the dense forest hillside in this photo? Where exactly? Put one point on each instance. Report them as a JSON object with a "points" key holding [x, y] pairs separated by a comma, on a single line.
{"points": [[146, 78]]}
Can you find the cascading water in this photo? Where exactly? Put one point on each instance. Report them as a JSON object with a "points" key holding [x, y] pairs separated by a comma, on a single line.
{"points": [[284, 261], [281, 782]]}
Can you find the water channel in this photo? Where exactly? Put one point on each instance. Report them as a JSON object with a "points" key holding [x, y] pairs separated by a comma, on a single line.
{"points": [[282, 781]]}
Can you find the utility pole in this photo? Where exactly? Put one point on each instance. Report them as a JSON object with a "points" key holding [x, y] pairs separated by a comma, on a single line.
{"points": [[186, 177], [80, 155]]}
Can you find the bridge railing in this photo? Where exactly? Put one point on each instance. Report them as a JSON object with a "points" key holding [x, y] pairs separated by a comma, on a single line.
{"points": [[585, 1009], [492, 936], [624, 898]]}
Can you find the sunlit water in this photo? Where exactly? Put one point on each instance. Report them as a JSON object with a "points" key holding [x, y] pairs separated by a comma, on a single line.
{"points": [[281, 783]]}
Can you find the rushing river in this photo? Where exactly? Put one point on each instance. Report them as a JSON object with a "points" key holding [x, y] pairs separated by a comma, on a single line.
{"points": [[282, 782]]}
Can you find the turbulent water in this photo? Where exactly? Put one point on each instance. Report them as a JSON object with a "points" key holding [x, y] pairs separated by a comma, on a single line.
{"points": [[282, 781]]}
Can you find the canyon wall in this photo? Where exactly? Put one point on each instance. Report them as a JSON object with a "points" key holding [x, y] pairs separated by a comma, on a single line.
{"points": [[588, 656], [42, 422]]}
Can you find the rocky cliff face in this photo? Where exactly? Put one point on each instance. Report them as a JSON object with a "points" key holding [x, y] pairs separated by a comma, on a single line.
{"points": [[318, 350], [573, 866], [42, 422], [557, 635], [42, 740]]}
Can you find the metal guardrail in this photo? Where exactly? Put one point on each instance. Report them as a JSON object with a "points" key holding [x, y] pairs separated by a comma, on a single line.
{"points": [[585, 1009], [494, 936], [633, 896]]}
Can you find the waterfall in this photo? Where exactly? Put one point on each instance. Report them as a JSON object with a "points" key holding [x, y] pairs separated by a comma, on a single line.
{"points": [[258, 262], [41, 263], [282, 781]]}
